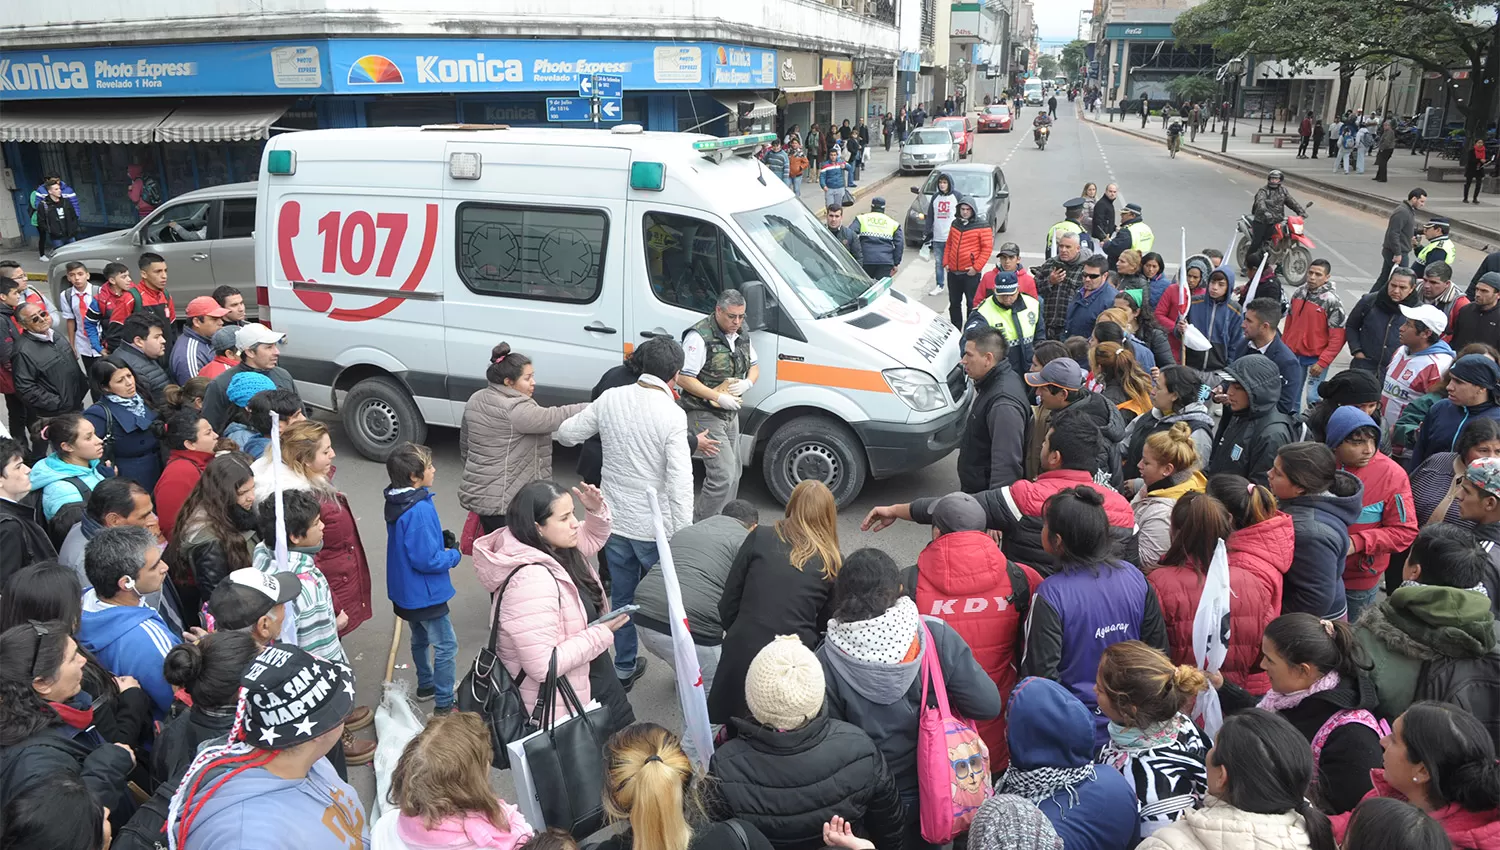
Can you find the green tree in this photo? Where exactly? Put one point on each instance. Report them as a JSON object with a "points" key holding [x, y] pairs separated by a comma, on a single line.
{"points": [[1195, 88], [1046, 66], [1439, 36], [1075, 57]]}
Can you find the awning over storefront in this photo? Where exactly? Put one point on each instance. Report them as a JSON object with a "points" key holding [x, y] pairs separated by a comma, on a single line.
{"points": [[803, 89], [125, 125], [221, 122], [760, 107]]}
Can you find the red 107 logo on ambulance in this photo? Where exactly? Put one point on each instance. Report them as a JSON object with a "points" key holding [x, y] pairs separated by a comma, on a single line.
{"points": [[356, 247]]}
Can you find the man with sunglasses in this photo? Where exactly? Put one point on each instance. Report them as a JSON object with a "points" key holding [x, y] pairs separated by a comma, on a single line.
{"points": [[1094, 297], [47, 374]]}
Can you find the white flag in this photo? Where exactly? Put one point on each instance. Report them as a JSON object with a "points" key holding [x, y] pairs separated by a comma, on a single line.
{"points": [[696, 731], [275, 447], [1254, 283], [1211, 637]]}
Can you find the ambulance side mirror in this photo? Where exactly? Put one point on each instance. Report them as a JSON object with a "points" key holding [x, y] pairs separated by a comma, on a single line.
{"points": [[755, 305]]}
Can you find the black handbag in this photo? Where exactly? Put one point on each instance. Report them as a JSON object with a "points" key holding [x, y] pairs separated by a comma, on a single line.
{"points": [[566, 759], [491, 692]]}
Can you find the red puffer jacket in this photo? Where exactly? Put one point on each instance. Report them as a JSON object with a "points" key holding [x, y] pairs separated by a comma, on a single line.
{"points": [[1259, 557], [342, 561], [963, 580], [969, 243]]}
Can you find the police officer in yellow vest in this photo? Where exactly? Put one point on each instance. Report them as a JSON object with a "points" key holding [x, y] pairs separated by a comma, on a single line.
{"points": [[1133, 233], [1014, 314], [881, 243], [1438, 248], [1072, 223]]}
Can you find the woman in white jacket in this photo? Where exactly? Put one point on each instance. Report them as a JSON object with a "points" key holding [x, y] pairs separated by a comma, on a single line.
{"points": [[1258, 773]]}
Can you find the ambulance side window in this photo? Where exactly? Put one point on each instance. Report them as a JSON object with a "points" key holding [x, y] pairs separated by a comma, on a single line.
{"points": [[541, 253], [691, 261]]}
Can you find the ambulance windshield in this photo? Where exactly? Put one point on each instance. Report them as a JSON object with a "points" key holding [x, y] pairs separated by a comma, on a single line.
{"points": [[806, 255]]}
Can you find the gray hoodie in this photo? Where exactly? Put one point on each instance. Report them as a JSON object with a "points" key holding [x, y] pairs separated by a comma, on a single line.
{"points": [[883, 699], [320, 812]]}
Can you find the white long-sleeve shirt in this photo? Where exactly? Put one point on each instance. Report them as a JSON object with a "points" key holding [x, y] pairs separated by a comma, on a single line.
{"points": [[644, 434]]}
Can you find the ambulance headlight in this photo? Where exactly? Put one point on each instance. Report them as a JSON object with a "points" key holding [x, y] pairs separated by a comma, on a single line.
{"points": [[918, 389]]}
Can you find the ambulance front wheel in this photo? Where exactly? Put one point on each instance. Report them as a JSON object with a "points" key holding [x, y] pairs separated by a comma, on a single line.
{"points": [[815, 448], [379, 415]]}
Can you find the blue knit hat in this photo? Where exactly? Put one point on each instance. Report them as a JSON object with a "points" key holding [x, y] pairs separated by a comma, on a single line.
{"points": [[244, 386], [1345, 421]]}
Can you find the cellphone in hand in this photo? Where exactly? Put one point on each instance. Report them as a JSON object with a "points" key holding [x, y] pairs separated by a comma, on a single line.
{"points": [[623, 609]]}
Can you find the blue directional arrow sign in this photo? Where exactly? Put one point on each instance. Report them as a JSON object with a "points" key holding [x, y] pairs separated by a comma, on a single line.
{"points": [[611, 108], [569, 109], [586, 86], [608, 85]]}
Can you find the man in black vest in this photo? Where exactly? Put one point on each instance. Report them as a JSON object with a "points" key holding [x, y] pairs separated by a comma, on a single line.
{"points": [[993, 451], [718, 368]]}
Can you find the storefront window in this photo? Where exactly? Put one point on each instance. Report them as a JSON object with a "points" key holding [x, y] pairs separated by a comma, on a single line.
{"points": [[213, 170], [244, 158], [179, 169], [411, 112], [114, 161], [80, 174]]}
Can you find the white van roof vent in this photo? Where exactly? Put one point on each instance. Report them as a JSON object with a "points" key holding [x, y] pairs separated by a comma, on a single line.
{"points": [[465, 128], [627, 129]]}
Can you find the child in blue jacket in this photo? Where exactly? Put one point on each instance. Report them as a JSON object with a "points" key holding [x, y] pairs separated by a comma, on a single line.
{"points": [[418, 556]]}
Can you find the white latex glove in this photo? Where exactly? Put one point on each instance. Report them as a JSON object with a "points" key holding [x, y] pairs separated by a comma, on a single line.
{"points": [[728, 402], [740, 386]]}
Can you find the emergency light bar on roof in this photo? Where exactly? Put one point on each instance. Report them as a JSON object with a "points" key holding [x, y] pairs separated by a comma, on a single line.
{"points": [[715, 149]]}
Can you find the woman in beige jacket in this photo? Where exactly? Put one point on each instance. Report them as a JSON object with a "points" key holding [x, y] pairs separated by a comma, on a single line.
{"points": [[506, 437], [1258, 773]]}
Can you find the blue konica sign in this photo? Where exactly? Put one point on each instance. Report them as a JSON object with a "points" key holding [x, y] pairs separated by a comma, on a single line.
{"points": [[166, 70], [388, 66]]}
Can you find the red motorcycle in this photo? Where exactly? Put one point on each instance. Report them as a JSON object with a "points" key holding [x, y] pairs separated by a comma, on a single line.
{"points": [[1288, 245]]}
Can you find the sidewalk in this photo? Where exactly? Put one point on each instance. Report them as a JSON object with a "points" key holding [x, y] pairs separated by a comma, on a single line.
{"points": [[881, 166], [1475, 226]]}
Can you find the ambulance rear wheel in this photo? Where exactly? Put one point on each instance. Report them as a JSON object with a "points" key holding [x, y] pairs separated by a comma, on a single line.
{"points": [[379, 415], [815, 448]]}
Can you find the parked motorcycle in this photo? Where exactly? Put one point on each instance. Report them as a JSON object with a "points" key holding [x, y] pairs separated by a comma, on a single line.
{"points": [[1288, 245], [1039, 135]]}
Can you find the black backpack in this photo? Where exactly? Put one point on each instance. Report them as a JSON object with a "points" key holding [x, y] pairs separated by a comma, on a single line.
{"points": [[1472, 684], [66, 517]]}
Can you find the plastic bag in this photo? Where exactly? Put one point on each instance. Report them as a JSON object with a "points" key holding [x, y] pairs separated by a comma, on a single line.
{"points": [[396, 723], [926, 252]]}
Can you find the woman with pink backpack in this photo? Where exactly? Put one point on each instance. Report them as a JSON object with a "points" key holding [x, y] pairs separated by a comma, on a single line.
{"points": [[1319, 682]]}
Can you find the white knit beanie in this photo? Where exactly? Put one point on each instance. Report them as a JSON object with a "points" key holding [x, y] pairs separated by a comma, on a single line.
{"points": [[784, 686]]}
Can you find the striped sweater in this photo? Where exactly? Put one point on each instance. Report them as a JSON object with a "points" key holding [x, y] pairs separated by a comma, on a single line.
{"points": [[312, 610]]}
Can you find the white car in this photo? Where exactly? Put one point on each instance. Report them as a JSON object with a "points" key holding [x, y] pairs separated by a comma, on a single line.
{"points": [[925, 148]]}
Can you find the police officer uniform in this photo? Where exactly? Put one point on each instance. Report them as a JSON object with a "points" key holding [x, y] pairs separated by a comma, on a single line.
{"points": [[1440, 248], [1072, 214], [1017, 322], [881, 242], [1134, 234]]}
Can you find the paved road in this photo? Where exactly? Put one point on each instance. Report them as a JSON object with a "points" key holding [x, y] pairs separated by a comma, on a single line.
{"points": [[1182, 192]]}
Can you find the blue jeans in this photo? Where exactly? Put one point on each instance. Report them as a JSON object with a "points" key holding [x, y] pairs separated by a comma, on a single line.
{"points": [[937, 260], [628, 561], [437, 673], [1310, 381], [1359, 600]]}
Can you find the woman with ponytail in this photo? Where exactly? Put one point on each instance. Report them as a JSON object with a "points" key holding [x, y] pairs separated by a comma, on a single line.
{"points": [[1440, 759], [1178, 394], [1157, 747], [650, 786], [1123, 381], [1093, 600], [1258, 772], [208, 672], [1320, 684], [1258, 553], [1170, 469], [46, 720]]}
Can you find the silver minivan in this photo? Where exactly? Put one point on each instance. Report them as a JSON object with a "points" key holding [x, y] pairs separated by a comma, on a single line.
{"points": [[925, 148], [206, 237]]}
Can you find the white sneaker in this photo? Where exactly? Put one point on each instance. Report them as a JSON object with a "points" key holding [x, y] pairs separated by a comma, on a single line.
{"points": [[936, 290]]}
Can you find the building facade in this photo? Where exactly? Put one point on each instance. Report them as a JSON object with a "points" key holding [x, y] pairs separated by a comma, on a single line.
{"points": [[100, 101]]}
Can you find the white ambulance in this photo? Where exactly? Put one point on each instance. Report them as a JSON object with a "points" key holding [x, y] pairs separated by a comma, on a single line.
{"points": [[395, 259]]}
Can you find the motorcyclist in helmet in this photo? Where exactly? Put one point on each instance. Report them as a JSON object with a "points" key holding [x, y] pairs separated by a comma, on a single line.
{"points": [[1267, 211], [1041, 120]]}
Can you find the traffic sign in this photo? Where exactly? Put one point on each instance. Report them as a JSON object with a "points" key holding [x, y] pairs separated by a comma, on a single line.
{"points": [[611, 108], [608, 85], [586, 86], [569, 109]]}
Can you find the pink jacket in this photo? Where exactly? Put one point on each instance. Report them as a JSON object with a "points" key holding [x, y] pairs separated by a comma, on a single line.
{"points": [[395, 831], [542, 610]]}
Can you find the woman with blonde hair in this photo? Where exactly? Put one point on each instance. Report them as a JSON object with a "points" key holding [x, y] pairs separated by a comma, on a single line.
{"points": [[1157, 748], [307, 464], [649, 784], [1171, 467], [1129, 267], [781, 584], [1090, 195], [1123, 381], [440, 793]]}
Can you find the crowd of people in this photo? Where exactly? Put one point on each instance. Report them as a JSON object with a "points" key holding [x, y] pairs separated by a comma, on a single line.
{"points": [[168, 678]]}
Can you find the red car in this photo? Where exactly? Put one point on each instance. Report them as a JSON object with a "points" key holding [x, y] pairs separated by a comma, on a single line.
{"points": [[996, 117], [962, 128]]}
